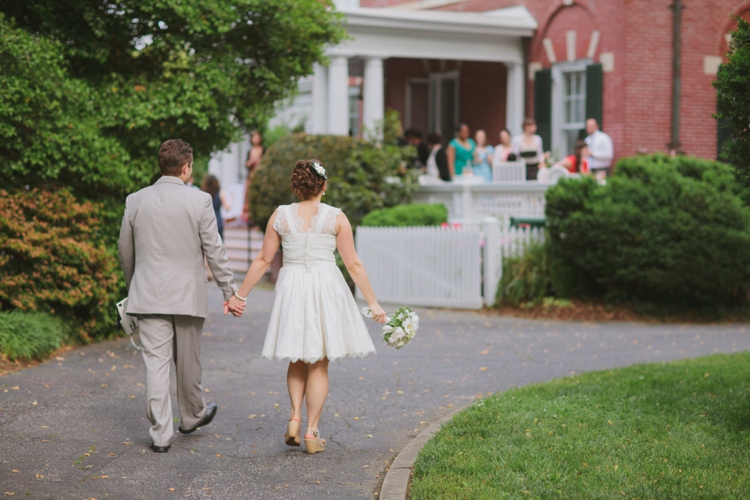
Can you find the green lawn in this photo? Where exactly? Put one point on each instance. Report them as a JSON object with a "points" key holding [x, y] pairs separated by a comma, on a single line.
{"points": [[673, 430]]}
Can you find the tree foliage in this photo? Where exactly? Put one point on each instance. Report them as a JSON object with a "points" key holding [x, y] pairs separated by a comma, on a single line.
{"points": [[733, 101], [363, 175], [89, 89]]}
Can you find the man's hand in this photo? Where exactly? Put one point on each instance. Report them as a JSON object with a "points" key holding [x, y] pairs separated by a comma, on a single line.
{"points": [[235, 306]]}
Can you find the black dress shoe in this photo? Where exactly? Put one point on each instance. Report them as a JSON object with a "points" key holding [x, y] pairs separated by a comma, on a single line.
{"points": [[160, 449], [210, 414]]}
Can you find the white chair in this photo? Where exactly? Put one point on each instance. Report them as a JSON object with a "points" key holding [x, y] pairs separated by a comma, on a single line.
{"points": [[509, 171]]}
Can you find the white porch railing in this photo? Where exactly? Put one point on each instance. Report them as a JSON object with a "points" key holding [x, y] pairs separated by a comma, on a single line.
{"points": [[439, 267], [468, 201]]}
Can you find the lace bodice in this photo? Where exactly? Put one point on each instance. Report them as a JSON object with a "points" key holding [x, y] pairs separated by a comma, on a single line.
{"points": [[306, 248]]}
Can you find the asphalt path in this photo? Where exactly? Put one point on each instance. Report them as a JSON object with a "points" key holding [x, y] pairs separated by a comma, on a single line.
{"points": [[75, 428]]}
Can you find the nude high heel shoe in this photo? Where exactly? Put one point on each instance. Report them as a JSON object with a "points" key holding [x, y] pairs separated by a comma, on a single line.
{"points": [[291, 437], [313, 442]]}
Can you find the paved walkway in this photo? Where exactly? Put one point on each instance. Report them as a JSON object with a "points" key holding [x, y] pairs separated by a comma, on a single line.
{"points": [[75, 427]]}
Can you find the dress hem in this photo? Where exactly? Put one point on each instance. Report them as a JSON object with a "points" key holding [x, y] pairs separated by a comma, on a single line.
{"points": [[315, 360]]}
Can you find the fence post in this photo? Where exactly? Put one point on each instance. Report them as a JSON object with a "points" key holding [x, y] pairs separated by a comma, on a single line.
{"points": [[493, 258]]}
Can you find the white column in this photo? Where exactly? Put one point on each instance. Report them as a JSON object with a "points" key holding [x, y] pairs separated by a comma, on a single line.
{"points": [[515, 98], [319, 99], [373, 97], [338, 96]]}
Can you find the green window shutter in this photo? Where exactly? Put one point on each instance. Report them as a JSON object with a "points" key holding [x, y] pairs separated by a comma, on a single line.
{"points": [[594, 90], [543, 106]]}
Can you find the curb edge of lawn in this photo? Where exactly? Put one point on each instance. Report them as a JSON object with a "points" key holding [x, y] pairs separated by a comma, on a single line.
{"points": [[396, 482]]}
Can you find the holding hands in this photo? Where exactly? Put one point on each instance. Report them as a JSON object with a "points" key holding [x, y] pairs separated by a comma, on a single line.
{"points": [[235, 305]]}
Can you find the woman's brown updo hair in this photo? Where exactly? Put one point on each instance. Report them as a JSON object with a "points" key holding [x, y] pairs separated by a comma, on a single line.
{"points": [[306, 183]]}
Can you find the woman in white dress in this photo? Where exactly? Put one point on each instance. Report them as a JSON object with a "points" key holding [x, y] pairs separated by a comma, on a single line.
{"points": [[314, 317]]}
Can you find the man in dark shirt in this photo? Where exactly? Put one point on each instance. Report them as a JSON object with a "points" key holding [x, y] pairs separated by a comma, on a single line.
{"points": [[413, 137]]}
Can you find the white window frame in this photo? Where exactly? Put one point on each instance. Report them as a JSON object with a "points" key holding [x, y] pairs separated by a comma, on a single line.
{"points": [[558, 112]]}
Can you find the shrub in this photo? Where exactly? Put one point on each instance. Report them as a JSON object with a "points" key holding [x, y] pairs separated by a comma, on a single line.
{"points": [[51, 261], [27, 336], [662, 231], [415, 214], [358, 175]]}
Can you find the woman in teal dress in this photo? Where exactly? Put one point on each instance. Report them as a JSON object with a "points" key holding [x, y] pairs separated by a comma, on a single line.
{"points": [[460, 152]]}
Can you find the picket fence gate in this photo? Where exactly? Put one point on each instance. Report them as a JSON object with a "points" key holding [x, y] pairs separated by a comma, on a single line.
{"points": [[456, 267]]}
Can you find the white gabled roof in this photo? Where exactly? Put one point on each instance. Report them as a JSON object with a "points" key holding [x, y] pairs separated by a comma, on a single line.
{"points": [[435, 34], [513, 21]]}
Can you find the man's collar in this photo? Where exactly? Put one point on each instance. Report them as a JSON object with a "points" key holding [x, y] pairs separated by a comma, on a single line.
{"points": [[170, 179]]}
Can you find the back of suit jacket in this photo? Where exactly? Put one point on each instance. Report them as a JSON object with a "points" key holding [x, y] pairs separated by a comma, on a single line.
{"points": [[166, 231]]}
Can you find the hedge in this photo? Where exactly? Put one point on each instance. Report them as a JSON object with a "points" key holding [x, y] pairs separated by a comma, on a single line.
{"points": [[664, 231], [53, 261]]}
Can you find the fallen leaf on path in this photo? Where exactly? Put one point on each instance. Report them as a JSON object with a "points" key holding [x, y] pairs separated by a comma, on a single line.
{"points": [[59, 358], [170, 489]]}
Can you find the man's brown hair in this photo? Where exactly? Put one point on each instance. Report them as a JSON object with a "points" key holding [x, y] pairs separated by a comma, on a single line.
{"points": [[173, 154]]}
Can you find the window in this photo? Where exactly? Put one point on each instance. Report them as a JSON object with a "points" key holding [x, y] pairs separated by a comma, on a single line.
{"points": [[354, 113], [574, 110], [564, 97]]}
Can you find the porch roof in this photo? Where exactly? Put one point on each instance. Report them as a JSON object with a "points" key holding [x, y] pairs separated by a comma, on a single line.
{"points": [[468, 36]]}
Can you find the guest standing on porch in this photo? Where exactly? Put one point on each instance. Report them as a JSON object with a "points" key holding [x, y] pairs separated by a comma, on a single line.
{"points": [[529, 147], [483, 156], [504, 151], [460, 152]]}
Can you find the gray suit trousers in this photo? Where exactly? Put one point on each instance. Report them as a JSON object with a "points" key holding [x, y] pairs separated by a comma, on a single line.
{"points": [[166, 337]]}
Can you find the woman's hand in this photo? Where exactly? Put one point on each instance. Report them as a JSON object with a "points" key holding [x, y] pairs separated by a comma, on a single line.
{"points": [[378, 314]]}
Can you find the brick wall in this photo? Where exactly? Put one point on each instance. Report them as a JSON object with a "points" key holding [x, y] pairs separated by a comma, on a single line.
{"points": [[638, 92]]}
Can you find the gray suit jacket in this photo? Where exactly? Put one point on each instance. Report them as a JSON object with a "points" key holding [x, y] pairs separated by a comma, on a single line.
{"points": [[167, 230]]}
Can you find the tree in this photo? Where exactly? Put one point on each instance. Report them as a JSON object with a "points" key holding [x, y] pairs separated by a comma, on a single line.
{"points": [[733, 101], [90, 88]]}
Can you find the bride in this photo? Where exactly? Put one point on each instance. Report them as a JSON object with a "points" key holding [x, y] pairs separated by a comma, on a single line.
{"points": [[314, 317]]}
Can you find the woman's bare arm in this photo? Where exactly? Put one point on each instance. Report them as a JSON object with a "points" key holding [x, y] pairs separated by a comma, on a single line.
{"points": [[345, 245], [258, 268]]}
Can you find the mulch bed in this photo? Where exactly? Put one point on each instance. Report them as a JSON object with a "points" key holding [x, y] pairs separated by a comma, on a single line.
{"points": [[599, 311]]}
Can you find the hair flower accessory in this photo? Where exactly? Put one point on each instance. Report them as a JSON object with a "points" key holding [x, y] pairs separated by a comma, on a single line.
{"points": [[319, 170]]}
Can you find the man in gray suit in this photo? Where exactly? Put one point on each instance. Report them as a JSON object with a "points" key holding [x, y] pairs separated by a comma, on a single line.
{"points": [[167, 231]]}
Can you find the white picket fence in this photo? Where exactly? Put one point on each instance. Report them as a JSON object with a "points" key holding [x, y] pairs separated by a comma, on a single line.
{"points": [[439, 267]]}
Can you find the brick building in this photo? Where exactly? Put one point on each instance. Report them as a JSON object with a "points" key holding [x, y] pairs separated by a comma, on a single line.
{"points": [[626, 46], [490, 63]]}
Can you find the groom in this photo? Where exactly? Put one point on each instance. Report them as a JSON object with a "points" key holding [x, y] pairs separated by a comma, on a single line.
{"points": [[167, 231]]}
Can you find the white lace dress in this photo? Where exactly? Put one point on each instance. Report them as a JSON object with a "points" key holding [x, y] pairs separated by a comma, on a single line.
{"points": [[314, 314]]}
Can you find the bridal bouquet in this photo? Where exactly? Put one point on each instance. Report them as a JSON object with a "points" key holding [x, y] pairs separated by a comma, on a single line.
{"points": [[398, 329]]}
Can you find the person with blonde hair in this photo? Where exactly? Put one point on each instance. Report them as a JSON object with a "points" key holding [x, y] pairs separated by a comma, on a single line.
{"points": [[314, 318]]}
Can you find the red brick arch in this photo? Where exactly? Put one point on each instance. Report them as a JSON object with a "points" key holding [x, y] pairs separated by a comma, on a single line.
{"points": [[563, 18]]}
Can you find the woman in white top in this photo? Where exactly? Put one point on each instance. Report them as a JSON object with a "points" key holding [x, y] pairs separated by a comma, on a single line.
{"points": [[529, 147], [504, 150], [314, 317]]}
